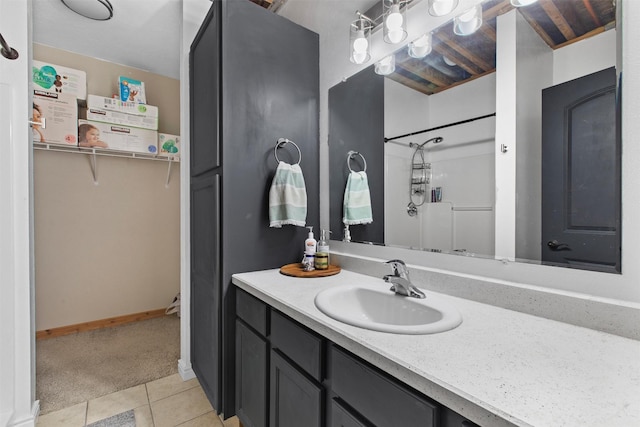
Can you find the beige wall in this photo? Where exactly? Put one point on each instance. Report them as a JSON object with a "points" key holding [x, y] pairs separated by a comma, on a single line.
{"points": [[113, 248]]}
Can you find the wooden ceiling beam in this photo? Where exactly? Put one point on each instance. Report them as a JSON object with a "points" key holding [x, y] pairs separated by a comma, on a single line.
{"points": [[426, 72], [541, 31], [556, 16], [422, 88], [477, 76], [466, 53], [460, 61], [589, 7], [500, 8]]}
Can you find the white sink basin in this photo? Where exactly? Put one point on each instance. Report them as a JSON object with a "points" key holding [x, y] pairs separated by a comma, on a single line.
{"points": [[379, 309]]}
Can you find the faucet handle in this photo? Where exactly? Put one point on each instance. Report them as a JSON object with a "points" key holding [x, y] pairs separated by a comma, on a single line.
{"points": [[399, 267]]}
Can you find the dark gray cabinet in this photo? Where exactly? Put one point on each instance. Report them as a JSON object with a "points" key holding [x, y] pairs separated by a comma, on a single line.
{"points": [[295, 400], [252, 352], [244, 95], [340, 416], [381, 400], [289, 376]]}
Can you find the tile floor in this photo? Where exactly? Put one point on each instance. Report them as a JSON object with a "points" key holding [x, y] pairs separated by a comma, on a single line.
{"points": [[167, 402]]}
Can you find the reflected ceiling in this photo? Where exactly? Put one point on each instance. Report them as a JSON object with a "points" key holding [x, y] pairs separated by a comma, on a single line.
{"points": [[558, 22]]}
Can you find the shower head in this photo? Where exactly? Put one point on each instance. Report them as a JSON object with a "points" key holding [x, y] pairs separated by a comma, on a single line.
{"points": [[436, 140]]}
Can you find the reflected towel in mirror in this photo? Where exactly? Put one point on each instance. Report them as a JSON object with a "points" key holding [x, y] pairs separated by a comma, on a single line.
{"points": [[357, 200], [287, 197]]}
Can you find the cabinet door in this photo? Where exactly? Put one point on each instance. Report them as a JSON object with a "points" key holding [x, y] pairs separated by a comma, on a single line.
{"points": [[251, 377], [342, 417], [295, 399], [205, 284]]}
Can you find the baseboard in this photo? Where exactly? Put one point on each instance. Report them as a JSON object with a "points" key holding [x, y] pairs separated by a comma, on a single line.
{"points": [[99, 324], [185, 370], [30, 421]]}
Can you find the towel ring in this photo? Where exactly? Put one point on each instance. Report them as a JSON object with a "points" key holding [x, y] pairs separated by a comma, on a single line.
{"points": [[350, 155], [281, 142]]}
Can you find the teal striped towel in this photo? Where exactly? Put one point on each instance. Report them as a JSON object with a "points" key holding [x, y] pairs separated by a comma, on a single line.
{"points": [[287, 197], [357, 201]]}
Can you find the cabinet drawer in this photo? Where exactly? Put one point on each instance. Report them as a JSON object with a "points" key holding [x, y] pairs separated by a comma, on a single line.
{"points": [[381, 400], [299, 344], [253, 311]]}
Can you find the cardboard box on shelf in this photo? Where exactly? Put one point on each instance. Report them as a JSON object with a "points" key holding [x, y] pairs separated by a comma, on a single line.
{"points": [[168, 145], [111, 104], [117, 137], [131, 90], [58, 79], [115, 117], [60, 112]]}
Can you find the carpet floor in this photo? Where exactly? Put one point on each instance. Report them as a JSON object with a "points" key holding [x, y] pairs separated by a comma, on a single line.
{"points": [[79, 367]]}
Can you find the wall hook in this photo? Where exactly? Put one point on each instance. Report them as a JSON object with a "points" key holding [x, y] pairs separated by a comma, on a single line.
{"points": [[6, 50]]}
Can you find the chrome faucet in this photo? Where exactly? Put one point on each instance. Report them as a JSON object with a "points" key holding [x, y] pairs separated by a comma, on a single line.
{"points": [[400, 282]]}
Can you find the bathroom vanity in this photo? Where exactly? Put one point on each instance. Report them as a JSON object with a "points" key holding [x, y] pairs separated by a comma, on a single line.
{"points": [[297, 366]]}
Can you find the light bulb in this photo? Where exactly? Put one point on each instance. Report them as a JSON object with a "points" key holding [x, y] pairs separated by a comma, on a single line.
{"points": [[360, 44], [395, 36], [359, 57], [386, 65], [420, 47], [394, 18], [441, 7], [520, 3], [468, 22]]}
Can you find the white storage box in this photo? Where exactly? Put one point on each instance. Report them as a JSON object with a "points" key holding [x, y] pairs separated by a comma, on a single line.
{"points": [[168, 145], [118, 137], [111, 104], [115, 117], [58, 79], [60, 112]]}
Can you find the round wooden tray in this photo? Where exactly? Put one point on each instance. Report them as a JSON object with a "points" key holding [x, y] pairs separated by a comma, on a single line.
{"points": [[296, 270]]}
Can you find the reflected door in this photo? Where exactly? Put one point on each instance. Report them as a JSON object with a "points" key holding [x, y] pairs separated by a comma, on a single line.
{"points": [[581, 174]]}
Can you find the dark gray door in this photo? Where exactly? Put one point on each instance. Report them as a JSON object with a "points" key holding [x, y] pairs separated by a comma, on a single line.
{"points": [[581, 174], [205, 172]]}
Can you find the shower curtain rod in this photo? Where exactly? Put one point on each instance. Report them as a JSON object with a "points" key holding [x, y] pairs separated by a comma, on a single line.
{"points": [[439, 127]]}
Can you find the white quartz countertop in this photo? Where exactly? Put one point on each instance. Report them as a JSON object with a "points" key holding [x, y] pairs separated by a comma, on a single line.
{"points": [[498, 368]]}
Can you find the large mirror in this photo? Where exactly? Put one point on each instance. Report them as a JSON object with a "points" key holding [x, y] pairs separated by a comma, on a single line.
{"points": [[503, 143]]}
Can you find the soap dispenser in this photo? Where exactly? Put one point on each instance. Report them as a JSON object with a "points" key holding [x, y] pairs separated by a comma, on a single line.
{"points": [[310, 243], [308, 262], [323, 244]]}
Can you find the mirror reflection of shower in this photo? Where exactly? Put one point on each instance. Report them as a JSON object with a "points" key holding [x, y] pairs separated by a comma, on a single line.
{"points": [[420, 176]]}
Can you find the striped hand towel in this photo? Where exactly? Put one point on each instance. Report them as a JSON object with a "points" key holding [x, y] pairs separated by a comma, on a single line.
{"points": [[357, 201], [287, 197]]}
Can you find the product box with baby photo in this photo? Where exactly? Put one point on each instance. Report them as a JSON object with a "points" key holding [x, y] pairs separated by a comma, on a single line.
{"points": [[59, 112], [112, 104], [168, 145], [58, 79], [115, 117], [117, 137]]}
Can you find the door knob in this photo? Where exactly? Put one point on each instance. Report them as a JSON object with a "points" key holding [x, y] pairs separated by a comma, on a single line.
{"points": [[554, 245]]}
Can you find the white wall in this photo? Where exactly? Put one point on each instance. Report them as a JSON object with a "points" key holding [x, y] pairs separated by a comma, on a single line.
{"points": [[110, 249], [462, 166], [584, 57], [534, 62]]}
